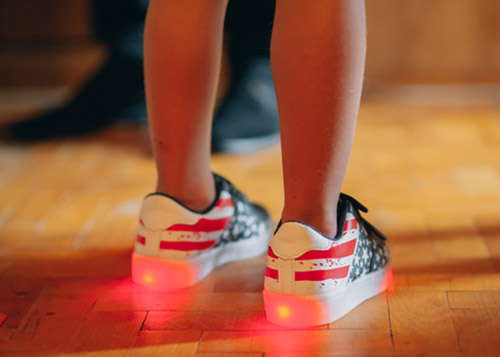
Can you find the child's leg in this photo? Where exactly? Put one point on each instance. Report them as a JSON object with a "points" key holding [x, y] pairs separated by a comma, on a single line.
{"points": [[182, 50], [317, 56]]}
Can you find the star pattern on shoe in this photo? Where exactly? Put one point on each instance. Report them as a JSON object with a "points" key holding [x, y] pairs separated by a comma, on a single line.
{"points": [[371, 252], [245, 222]]}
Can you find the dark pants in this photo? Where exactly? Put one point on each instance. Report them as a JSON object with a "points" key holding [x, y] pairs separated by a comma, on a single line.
{"points": [[120, 24]]}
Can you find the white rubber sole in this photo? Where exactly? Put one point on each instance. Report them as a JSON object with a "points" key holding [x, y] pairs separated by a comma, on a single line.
{"points": [[163, 274], [299, 311]]}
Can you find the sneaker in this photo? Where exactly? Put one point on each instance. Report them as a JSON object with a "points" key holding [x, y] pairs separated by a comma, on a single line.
{"points": [[312, 279], [177, 247]]}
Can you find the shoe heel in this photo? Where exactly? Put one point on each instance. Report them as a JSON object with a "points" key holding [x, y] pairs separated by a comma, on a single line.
{"points": [[300, 311], [161, 274]]}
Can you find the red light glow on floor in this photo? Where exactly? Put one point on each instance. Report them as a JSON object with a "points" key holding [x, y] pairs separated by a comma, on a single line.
{"points": [[388, 280]]}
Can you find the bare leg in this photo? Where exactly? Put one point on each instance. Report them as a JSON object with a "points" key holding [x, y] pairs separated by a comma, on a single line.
{"points": [[317, 55], [182, 51]]}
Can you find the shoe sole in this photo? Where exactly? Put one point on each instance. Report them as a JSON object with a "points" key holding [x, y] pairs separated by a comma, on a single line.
{"points": [[299, 311], [165, 275]]}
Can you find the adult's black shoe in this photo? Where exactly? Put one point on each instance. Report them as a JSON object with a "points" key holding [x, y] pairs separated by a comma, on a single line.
{"points": [[117, 87], [247, 120]]}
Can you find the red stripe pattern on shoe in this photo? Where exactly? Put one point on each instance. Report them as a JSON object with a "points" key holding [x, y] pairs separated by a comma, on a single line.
{"points": [[349, 225], [204, 229], [224, 202], [337, 251], [271, 254], [320, 275], [203, 225], [271, 273], [320, 265], [186, 246]]}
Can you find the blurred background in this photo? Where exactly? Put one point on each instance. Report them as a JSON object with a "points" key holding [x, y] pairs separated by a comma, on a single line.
{"points": [[428, 125], [50, 45], [49, 48], [427, 143]]}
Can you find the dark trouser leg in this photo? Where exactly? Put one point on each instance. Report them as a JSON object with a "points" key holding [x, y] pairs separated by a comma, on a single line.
{"points": [[120, 25], [248, 25], [248, 117]]}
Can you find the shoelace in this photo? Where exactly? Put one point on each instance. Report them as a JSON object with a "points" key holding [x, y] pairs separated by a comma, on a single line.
{"points": [[360, 207], [355, 203]]}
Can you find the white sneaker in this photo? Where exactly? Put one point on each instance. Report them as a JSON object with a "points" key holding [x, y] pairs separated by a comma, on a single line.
{"points": [[312, 279], [177, 247]]}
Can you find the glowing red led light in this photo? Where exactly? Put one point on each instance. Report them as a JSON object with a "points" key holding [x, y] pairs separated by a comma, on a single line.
{"points": [[148, 279], [161, 274], [283, 312], [293, 311], [387, 283]]}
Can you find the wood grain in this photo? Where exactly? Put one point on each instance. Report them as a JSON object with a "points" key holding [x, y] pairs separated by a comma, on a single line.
{"points": [[163, 343], [295, 341], [411, 312], [474, 299], [68, 214], [478, 331], [104, 330]]}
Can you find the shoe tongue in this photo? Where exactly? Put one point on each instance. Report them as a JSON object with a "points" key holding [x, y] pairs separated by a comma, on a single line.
{"points": [[294, 239]]}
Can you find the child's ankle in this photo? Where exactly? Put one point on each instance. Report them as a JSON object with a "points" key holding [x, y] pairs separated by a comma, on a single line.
{"points": [[197, 205], [195, 197]]}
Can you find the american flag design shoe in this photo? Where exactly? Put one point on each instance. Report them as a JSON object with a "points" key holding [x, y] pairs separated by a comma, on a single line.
{"points": [[177, 247], [312, 279]]}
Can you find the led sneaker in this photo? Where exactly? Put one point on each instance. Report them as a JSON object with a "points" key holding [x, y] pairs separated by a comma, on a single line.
{"points": [[312, 279], [177, 247]]}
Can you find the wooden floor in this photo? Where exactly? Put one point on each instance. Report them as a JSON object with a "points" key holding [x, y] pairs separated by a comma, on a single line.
{"points": [[430, 175]]}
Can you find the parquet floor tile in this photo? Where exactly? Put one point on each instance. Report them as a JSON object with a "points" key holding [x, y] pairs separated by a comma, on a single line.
{"points": [[68, 214]]}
